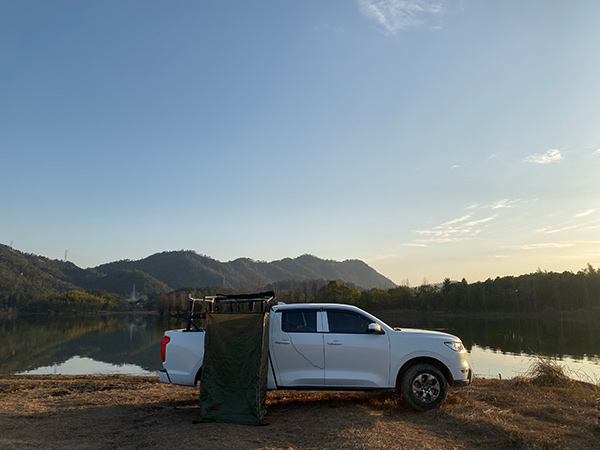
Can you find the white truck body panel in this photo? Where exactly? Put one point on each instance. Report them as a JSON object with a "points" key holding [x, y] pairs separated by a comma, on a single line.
{"points": [[297, 358], [184, 357], [305, 352]]}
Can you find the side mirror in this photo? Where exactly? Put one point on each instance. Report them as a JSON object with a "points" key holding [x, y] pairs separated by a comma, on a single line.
{"points": [[375, 328]]}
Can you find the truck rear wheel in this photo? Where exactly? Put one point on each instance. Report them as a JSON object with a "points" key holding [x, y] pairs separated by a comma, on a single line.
{"points": [[424, 387]]}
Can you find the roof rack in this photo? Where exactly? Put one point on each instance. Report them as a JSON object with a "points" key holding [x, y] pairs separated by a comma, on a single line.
{"points": [[212, 302]]}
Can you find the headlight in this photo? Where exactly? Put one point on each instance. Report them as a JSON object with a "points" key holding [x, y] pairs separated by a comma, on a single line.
{"points": [[457, 346]]}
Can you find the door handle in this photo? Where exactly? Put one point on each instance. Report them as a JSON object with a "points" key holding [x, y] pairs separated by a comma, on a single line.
{"points": [[285, 341], [336, 342]]}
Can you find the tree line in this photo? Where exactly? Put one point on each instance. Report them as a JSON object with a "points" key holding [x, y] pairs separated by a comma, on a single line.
{"points": [[538, 292], [73, 301], [533, 293]]}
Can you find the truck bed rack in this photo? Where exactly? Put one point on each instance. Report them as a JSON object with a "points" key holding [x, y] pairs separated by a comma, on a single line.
{"points": [[228, 303]]}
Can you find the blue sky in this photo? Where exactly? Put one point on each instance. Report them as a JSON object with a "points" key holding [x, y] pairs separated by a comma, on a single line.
{"points": [[430, 139]]}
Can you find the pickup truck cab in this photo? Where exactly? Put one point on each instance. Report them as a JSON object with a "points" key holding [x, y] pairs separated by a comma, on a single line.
{"points": [[338, 347]]}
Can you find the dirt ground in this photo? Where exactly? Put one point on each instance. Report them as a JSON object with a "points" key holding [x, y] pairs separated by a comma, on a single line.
{"points": [[124, 412]]}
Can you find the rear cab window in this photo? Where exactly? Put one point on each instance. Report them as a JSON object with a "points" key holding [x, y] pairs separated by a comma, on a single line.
{"points": [[299, 321]]}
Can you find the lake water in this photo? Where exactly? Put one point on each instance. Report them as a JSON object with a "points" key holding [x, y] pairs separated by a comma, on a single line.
{"points": [[130, 344]]}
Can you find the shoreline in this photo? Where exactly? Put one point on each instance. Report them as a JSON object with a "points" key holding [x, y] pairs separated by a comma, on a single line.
{"points": [[15, 314], [583, 315], [575, 315]]}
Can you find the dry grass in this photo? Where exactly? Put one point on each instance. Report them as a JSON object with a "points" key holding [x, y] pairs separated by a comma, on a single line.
{"points": [[104, 412], [548, 372]]}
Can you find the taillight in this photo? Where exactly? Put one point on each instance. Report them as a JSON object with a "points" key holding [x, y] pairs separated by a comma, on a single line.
{"points": [[163, 348]]}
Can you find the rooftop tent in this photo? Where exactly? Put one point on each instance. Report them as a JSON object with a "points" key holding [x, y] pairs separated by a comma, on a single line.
{"points": [[233, 386]]}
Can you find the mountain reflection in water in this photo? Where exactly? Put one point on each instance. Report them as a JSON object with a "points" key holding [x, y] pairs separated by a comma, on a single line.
{"points": [[48, 341], [79, 365], [130, 344]]}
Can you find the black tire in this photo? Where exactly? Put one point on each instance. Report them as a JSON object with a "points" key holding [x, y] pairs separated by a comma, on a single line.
{"points": [[424, 387]]}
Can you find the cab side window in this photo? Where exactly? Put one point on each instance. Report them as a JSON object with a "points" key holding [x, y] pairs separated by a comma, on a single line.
{"points": [[299, 321], [347, 322]]}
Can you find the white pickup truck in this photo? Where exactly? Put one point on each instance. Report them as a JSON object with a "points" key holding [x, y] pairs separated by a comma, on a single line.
{"points": [[338, 347]]}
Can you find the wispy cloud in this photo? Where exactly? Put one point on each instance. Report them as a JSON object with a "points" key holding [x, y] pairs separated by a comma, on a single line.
{"points": [[396, 15], [464, 227], [453, 230], [586, 213], [474, 223], [544, 246], [558, 230], [553, 245], [570, 224], [596, 153], [455, 221], [580, 256], [505, 203], [500, 204], [549, 157]]}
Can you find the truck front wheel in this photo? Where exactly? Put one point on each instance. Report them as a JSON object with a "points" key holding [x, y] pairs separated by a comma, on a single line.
{"points": [[424, 387]]}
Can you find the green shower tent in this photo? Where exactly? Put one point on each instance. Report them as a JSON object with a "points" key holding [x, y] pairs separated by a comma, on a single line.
{"points": [[233, 385]]}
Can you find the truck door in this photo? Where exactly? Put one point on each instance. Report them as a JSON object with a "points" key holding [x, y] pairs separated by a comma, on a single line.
{"points": [[353, 356], [296, 348]]}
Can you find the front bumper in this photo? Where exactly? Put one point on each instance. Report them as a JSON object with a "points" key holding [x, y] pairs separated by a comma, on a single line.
{"points": [[464, 382]]}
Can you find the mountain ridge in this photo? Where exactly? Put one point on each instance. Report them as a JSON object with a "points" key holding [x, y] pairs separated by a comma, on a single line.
{"points": [[30, 276], [184, 268]]}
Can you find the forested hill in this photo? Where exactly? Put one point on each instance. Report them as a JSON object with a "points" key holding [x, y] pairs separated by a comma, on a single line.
{"points": [[180, 269], [27, 277], [32, 283]]}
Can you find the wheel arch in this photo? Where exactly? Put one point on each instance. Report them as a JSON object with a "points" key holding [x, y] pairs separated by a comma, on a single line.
{"points": [[424, 360], [198, 376]]}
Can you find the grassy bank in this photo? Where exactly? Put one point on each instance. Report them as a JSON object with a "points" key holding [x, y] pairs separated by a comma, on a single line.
{"points": [[102, 412]]}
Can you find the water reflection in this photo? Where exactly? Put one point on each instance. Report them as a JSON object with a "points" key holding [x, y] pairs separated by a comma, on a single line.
{"points": [[47, 341], [501, 347], [131, 344], [488, 363], [78, 365], [554, 337]]}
